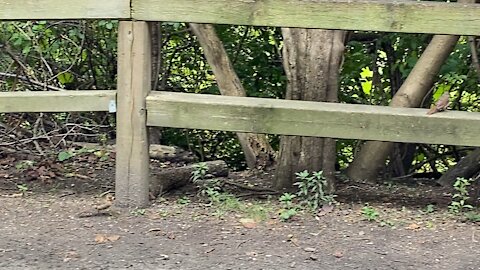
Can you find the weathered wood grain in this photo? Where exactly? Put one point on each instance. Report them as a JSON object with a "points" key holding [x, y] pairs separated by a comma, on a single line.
{"points": [[63, 9], [305, 118], [132, 160], [63, 101], [381, 15]]}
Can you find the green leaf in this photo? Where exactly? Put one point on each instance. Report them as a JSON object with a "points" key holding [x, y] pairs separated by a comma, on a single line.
{"points": [[366, 87], [366, 73], [64, 155], [65, 77]]}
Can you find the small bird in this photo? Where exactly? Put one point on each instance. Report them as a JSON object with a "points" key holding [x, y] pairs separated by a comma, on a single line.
{"points": [[441, 104], [107, 202], [98, 208]]}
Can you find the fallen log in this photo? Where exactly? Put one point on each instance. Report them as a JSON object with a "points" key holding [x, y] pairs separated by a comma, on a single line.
{"points": [[156, 151], [171, 178], [170, 153]]}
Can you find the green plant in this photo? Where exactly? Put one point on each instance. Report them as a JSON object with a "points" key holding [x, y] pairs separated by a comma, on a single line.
{"points": [[256, 211], [102, 155], [287, 200], [460, 197], [223, 200], [369, 213], [429, 209], [65, 155], [388, 223], [184, 200], [472, 216], [23, 188], [199, 172], [288, 208], [163, 213], [138, 212], [24, 164], [209, 188], [287, 214], [311, 190], [213, 194]]}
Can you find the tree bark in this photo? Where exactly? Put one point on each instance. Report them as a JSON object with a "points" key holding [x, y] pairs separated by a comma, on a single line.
{"points": [[171, 178], [155, 151], [257, 149], [312, 59], [155, 133], [370, 160], [373, 154], [466, 167], [170, 153]]}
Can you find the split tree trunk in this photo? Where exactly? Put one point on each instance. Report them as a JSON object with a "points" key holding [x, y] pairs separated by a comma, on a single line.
{"points": [[312, 59], [373, 154], [257, 150]]}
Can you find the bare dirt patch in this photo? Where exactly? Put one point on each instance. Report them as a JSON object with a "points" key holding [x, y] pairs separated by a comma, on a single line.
{"points": [[44, 229]]}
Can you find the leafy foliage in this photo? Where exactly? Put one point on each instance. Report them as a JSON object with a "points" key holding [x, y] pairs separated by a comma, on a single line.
{"points": [[53, 55], [48, 55], [461, 196], [289, 209], [311, 190], [369, 213], [255, 54]]}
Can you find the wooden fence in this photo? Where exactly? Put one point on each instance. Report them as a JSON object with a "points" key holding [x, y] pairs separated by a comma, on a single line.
{"points": [[137, 108]]}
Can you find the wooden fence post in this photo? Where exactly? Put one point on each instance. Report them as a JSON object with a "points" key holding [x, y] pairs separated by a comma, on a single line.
{"points": [[133, 85]]}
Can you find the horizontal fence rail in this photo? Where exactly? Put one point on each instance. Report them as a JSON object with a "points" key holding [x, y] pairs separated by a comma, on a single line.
{"points": [[369, 15], [382, 15], [58, 101], [288, 117], [64, 9]]}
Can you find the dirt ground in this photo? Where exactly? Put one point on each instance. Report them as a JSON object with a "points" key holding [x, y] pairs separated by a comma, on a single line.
{"points": [[47, 228]]}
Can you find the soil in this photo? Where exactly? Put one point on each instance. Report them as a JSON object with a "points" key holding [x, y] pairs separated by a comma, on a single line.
{"points": [[45, 224]]}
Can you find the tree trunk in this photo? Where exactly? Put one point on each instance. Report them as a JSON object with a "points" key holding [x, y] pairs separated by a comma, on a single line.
{"points": [[257, 149], [157, 56], [466, 168], [373, 154], [155, 133], [312, 59]]}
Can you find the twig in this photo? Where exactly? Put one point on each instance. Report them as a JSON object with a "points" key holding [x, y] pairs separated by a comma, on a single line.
{"points": [[105, 193], [426, 95], [65, 136], [45, 132], [27, 140], [242, 186], [35, 132], [240, 45], [241, 243], [80, 50], [8, 50], [430, 150], [428, 160], [257, 194], [37, 83]]}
